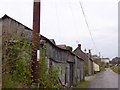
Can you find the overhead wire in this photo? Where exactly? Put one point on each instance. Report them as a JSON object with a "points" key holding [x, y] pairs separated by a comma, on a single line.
{"points": [[73, 20], [88, 26], [85, 22]]}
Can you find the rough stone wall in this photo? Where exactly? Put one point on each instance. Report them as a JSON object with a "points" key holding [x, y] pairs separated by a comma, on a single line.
{"points": [[82, 70], [60, 58], [78, 70], [10, 31], [64, 59], [89, 67], [63, 69], [85, 57], [92, 67], [56, 53], [81, 54], [0, 54], [71, 67], [75, 74]]}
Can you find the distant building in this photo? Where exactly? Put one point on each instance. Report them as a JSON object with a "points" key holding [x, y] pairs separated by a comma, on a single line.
{"points": [[96, 67], [87, 59], [115, 60], [96, 59], [71, 66], [105, 60]]}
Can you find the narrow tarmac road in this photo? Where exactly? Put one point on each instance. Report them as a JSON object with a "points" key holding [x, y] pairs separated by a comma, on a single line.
{"points": [[105, 79]]}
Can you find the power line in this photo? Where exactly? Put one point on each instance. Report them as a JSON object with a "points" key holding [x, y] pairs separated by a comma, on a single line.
{"points": [[88, 26]]}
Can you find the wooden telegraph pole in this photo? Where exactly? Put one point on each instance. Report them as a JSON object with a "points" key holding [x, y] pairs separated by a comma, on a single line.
{"points": [[35, 42]]}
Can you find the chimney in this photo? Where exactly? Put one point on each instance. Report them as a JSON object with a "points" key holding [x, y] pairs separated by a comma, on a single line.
{"points": [[89, 50], [79, 45], [90, 54], [85, 50]]}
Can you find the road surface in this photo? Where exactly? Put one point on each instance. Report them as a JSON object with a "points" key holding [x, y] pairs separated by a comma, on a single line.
{"points": [[105, 79]]}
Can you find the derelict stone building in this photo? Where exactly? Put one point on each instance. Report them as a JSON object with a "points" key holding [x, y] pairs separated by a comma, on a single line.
{"points": [[71, 66]]}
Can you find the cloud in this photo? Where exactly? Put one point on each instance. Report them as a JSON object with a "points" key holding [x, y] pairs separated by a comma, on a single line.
{"points": [[63, 21]]}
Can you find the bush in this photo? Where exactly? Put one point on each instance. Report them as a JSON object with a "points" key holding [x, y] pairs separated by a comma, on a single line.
{"points": [[86, 70], [17, 68], [18, 62], [48, 79]]}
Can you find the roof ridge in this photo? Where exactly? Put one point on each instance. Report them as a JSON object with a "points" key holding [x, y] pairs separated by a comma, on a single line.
{"points": [[6, 16]]}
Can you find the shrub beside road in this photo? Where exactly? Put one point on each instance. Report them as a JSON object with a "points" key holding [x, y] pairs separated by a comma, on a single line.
{"points": [[86, 82], [83, 84], [116, 69]]}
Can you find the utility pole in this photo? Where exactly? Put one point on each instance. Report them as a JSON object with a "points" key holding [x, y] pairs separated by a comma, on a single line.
{"points": [[99, 54], [35, 42]]}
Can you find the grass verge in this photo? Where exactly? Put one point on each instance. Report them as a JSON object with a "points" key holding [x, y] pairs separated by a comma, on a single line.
{"points": [[83, 84], [86, 82], [116, 69]]}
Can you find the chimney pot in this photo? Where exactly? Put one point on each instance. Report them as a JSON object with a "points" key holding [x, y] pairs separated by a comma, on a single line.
{"points": [[79, 45], [89, 51]]}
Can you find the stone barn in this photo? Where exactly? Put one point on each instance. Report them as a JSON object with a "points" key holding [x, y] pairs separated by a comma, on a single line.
{"points": [[87, 59], [71, 65]]}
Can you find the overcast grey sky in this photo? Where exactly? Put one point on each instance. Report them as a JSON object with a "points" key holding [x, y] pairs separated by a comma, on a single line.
{"points": [[63, 21]]}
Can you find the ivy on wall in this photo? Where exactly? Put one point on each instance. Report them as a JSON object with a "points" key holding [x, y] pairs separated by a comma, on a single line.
{"points": [[18, 53], [86, 69], [17, 68], [48, 79]]}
